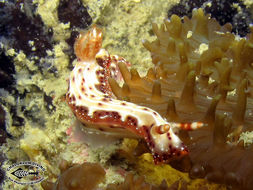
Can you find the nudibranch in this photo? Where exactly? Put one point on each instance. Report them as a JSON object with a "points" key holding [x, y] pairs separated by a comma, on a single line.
{"points": [[92, 101]]}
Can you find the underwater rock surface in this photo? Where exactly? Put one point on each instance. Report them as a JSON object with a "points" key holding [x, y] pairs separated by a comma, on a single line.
{"points": [[23, 29], [36, 58], [234, 12]]}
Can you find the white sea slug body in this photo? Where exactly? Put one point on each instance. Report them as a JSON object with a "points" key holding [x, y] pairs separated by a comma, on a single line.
{"points": [[92, 101]]}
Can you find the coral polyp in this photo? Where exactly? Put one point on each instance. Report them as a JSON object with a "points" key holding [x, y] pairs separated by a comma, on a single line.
{"points": [[201, 72]]}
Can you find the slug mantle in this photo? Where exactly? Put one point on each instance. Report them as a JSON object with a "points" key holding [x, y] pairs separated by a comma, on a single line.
{"points": [[92, 101]]}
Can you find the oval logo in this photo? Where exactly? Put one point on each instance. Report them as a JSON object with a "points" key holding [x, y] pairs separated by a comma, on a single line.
{"points": [[25, 173]]}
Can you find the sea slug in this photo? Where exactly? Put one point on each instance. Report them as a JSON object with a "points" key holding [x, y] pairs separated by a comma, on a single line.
{"points": [[91, 99]]}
